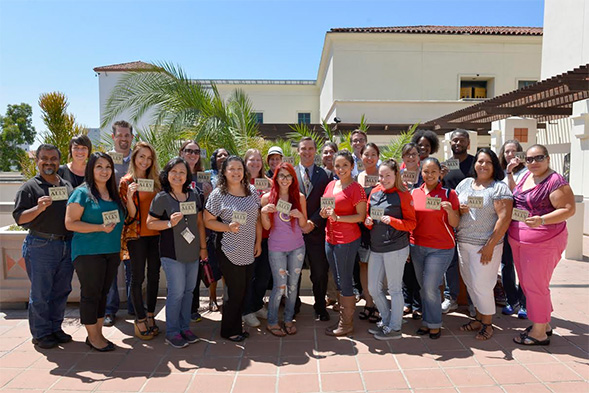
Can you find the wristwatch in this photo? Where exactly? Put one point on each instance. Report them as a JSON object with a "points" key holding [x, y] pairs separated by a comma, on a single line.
{"points": [[169, 225]]}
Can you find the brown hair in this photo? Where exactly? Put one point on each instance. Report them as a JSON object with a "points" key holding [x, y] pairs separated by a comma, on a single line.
{"points": [[153, 171]]}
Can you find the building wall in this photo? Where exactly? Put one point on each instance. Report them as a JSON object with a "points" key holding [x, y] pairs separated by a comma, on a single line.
{"points": [[566, 36]]}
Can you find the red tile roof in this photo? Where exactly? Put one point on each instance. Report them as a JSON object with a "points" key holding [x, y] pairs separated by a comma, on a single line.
{"points": [[131, 66], [475, 30]]}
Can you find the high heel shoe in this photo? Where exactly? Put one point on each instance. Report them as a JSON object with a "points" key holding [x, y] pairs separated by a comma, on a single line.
{"points": [[143, 334], [155, 330]]}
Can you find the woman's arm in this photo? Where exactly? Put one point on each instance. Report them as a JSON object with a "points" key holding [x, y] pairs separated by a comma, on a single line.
{"points": [[503, 208], [258, 244], [126, 191], [211, 223], [408, 222], [303, 202], [563, 201], [155, 224], [74, 223], [267, 208], [202, 236], [353, 218]]}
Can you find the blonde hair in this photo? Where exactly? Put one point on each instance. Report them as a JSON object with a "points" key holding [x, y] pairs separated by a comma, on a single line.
{"points": [[153, 172], [393, 166]]}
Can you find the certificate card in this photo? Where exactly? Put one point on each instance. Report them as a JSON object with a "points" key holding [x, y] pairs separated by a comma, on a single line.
{"points": [[187, 208], [283, 206], [370, 181], [117, 158], [328, 202], [433, 203], [376, 213], [58, 193], [520, 215], [453, 164], [203, 177], [410, 176], [261, 183], [145, 185], [475, 202], [289, 160], [239, 217], [111, 217]]}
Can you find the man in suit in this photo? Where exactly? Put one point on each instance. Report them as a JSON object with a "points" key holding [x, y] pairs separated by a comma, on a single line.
{"points": [[312, 182]]}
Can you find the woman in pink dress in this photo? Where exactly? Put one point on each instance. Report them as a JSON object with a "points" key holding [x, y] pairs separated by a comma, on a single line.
{"points": [[538, 242]]}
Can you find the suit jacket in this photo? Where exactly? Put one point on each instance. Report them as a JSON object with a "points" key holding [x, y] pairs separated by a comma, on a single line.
{"points": [[319, 180]]}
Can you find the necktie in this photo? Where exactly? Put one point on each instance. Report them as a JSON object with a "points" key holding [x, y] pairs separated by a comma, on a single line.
{"points": [[307, 180]]}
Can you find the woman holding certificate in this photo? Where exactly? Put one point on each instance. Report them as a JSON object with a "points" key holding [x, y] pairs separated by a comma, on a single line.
{"points": [[342, 236], [176, 212], [95, 214], [232, 211], [140, 244]]}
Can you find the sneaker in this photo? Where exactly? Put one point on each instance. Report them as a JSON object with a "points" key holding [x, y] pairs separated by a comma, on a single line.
{"points": [[251, 320], [472, 311], [449, 305], [388, 334], [109, 320], [195, 317], [262, 313], [177, 341], [190, 337], [62, 337], [522, 313], [509, 309], [377, 328], [46, 342]]}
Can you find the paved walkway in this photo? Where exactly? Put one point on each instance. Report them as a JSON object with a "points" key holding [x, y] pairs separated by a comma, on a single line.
{"points": [[311, 361]]}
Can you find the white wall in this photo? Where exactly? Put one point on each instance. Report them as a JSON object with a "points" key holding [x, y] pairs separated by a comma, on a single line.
{"points": [[566, 36]]}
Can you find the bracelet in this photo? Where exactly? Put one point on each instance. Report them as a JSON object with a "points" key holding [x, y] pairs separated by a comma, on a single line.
{"points": [[543, 222], [509, 173]]}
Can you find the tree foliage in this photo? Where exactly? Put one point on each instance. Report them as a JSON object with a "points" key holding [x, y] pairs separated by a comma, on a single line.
{"points": [[16, 129], [395, 147]]}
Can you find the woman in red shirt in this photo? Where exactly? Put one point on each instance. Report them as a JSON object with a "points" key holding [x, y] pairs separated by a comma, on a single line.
{"points": [[342, 238]]}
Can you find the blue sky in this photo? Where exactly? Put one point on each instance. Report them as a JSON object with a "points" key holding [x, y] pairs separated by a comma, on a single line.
{"points": [[54, 45]]}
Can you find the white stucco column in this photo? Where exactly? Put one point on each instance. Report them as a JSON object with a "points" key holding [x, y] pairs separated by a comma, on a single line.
{"points": [[578, 225], [520, 128], [496, 140]]}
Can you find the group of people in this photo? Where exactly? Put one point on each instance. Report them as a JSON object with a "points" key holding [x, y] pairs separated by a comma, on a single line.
{"points": [[407, 224]]}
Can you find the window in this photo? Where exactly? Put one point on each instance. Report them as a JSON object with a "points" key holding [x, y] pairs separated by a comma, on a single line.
{"points": [[304, 118], [521, 134], [259, 117], [473, 89], [521, 84]]}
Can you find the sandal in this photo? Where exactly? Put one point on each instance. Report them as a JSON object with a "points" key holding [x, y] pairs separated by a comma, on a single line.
{"points": [[146, 334], [365, 314], [213, 306], [483, 334], [524, 339], [290, 329], [374, 317], [468, 327], [529, 329], [152, 326], [276, 331]]}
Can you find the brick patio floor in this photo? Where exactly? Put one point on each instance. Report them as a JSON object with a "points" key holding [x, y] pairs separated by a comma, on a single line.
{"points": [[311, 361]]}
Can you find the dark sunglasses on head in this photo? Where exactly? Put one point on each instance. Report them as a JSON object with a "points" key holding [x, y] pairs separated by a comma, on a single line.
{"points": [[192, 151], [538, 158]]}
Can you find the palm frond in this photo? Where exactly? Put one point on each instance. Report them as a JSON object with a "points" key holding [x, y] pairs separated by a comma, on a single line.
{"points": [[395, 147], [300, 131]]}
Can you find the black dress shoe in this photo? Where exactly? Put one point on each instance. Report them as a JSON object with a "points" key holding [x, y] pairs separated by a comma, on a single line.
{"points": [[322, 315], [46, 342], [238, 338], [435, 336], [62, 337], [109, 347]]}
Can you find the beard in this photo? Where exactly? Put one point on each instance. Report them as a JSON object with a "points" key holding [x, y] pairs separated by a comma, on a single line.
{"points": [[123, 145], [48, 171]]}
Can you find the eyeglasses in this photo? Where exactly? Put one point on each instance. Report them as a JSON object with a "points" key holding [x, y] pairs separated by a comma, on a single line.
{"points": [[410, 155], [538, 158], [284, 177], [358, 140], [192, 151]]}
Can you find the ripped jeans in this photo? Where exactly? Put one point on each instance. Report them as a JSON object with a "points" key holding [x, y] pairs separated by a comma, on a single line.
{"points": [[286, 269]]}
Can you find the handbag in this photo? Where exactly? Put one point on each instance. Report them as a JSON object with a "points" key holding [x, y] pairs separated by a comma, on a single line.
{"points": [[206, 272]]}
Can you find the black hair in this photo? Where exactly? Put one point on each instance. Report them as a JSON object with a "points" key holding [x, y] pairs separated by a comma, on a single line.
{"points": [[111, 183], [222, 179], [503, 162], [458, 131], [80, 140], [47, 147], [373, 145], [345, 153], [307, 138], [497, 170], [164, 174], [431, 137], [432, 159], [214, 158], [332, 145], [541, 147]]}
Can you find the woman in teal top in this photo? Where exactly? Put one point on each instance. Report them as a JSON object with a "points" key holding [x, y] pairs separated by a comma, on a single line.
{"points": [[95, 214]]}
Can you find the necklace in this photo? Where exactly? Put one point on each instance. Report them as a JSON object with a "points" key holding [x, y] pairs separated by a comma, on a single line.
{"points": [[283, 219]]}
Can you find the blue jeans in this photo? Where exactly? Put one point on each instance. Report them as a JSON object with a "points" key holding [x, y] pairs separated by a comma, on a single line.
{"points": [[286, 270], [452, 278], [390, 265], [50, 269], [430, 265], [341, 258], [181, 277], [113, 300]]}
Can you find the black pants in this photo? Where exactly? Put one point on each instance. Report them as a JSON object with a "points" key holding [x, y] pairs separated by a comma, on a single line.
{"points": [[96, 274], [514, 292], [315, 254], [142, 251], [411, 288], [262, 274], [237, 281]]}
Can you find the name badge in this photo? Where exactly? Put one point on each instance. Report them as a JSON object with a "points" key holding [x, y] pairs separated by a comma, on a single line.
{"points": [[318, 160], [475, 202], [145, 185], [283, 206], [410, 176], [360, 165], [328, 202], [261, 183], [58, 193], [289, 160], [239, 217], [187, 208], [370, 181], [187, 235], [117, 158], [433, 203], [521, 155], [453, 164], [520, 215], [203, 177], [111, 217], [203, 153], [376, 213]]}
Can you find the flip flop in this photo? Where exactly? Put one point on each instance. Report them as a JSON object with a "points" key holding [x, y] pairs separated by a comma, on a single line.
{"points": [[290, 329], [276, 331], [524, 339]]}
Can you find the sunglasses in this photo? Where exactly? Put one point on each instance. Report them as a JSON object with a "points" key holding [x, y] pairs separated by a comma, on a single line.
{"points": [[538, 158], [192, 151]]}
